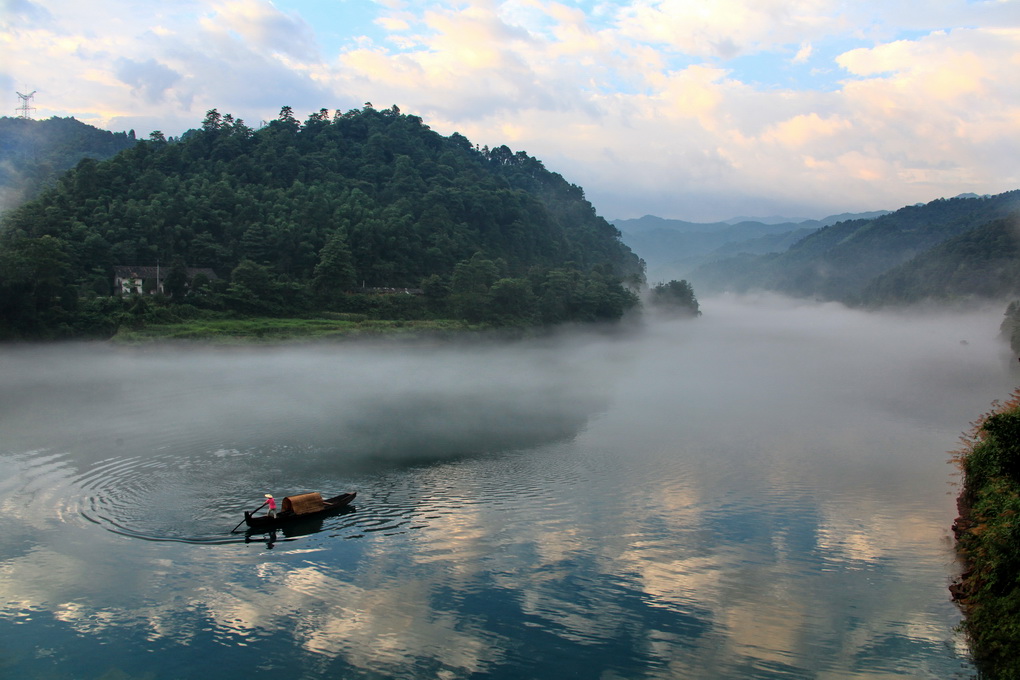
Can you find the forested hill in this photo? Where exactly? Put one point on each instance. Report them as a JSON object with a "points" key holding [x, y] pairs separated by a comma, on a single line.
{"points": [[300, 216], [34, 153], [873, 260], [983, 262]]}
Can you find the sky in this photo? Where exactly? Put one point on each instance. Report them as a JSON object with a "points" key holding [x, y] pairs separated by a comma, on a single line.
{"points": [[685, 109]]}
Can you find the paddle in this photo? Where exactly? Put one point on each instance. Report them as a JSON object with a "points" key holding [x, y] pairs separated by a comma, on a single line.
{"points": [[242, 521]]}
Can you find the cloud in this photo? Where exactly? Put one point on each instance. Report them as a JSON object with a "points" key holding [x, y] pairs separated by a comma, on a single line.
{"points": [[802, 129], [942, 66], [728, 28], [150, 78], [461, 62], [264, 28], [22, 12], [803, 54]]}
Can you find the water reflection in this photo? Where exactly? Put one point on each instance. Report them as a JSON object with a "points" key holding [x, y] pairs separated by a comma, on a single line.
{"points": [[696, 513]]}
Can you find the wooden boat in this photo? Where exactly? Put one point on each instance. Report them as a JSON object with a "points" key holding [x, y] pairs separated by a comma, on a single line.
{"points": [[296, 508]]}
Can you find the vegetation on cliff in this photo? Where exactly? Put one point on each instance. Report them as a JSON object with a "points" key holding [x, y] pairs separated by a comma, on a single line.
{"points": [[988, 539]]}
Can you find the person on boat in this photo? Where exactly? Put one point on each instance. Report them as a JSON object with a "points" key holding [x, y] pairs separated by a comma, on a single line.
{"points": [[272, 505]]}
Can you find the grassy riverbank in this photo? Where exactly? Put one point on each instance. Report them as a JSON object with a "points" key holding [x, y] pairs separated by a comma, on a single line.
{"points": [[988, 538], [274, 330]]}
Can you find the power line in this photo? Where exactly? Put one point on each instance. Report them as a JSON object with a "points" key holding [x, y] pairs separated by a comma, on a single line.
{"points": [[26, 108]]}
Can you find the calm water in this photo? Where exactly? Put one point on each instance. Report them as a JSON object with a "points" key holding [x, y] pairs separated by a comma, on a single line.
{"points": [[761, 493]]}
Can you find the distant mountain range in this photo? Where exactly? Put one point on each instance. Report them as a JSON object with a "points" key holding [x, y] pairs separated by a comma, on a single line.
{"points": [[949, 249], [956, 249], [653, 223], [672, 249]]}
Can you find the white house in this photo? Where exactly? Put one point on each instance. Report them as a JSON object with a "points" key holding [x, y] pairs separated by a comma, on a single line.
{"points": [[131, 280]]}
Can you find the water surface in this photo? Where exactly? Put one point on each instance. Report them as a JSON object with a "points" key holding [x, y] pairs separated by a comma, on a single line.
{"points": [[761, 493]]}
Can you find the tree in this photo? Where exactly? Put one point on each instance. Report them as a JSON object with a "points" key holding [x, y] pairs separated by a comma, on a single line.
{"points": [[175, 285], [34, 291], [257, 243], [254, 288], [675, 297], [212, 120], [470, 286], [512, 300], [560, 295], [335, 272]]}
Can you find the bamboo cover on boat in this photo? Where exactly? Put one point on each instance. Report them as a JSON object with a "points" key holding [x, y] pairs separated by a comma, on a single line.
{"points": [[304, 503]]}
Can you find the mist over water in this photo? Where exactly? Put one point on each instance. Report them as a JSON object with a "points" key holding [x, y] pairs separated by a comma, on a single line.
{"points": [[761, 492]]}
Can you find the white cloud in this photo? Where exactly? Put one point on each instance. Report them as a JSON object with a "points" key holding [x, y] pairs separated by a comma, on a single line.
{"points": [[264, 28], [728, 28], [804, 53], [150, 78], [21, 12]]}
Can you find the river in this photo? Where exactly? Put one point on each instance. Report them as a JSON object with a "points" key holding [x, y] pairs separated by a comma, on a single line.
{"points": [[763, 492]]}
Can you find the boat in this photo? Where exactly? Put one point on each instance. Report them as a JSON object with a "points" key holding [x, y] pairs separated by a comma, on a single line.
{"points": [[297, 508]]}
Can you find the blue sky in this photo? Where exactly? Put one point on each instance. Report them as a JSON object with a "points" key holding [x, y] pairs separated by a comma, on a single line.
{"points": [[688, 109]]}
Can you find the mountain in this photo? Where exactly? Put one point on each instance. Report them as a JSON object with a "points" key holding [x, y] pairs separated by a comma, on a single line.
{"points": [[842, 261], [673, 253], [325, 215], [673, 249], [33, 153], [653, 223], [844, 217], [775, 224], [773, 219], [983, 262]]}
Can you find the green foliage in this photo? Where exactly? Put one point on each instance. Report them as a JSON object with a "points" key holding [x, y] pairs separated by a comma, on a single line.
{"points": [[1010, 327], [176, 283], [988, 537], [222, 330], [676, 297], [300, 214], [962, 246], [33, 153], [981, 263], [511, 301], [335, 272], [34, 297]]}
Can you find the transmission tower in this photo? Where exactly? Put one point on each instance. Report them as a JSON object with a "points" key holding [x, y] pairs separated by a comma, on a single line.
{"points": [[26, 108]]}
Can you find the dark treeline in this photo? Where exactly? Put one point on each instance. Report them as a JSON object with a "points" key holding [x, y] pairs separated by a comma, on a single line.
{"points": [[1010, 327], [33, 153], [299, 217], [675, 297]]}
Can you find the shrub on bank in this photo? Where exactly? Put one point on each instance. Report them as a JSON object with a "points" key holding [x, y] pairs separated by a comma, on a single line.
{"points": [[988, 539]]}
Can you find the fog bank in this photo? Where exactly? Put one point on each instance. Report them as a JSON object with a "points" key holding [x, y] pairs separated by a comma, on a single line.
{"points": [[764, 362]]}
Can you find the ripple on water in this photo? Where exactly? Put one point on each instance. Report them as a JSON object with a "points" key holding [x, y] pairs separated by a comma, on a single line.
{"points": [[35, 487], [164, 495]]}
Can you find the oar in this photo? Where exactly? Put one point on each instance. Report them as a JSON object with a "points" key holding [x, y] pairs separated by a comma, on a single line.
{"points": [[242, 521]]}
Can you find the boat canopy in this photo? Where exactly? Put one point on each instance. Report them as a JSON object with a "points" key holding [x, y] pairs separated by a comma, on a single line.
{"points": [[304, 503]]}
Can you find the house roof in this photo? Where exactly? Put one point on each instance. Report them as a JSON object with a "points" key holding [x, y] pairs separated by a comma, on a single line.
{"points": [[138, 272]]}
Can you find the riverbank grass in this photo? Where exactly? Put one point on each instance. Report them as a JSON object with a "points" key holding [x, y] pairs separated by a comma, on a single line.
{"points": [[272, 330]]}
